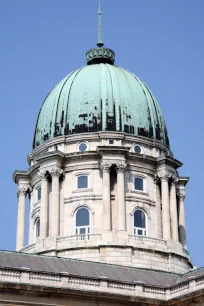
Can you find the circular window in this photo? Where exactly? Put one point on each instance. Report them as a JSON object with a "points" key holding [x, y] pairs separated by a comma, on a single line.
{"points": [[82, 147], [137, 149]]}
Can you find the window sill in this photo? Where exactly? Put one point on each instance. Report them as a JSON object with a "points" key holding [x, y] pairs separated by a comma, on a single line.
{"points": [[82, 190]]}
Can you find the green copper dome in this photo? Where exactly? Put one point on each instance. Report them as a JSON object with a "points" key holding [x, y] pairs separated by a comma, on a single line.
{"points": [[100, 97]]}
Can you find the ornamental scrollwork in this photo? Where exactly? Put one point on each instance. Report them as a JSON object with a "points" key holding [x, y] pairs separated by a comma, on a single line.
{"points": [[121, 167], [56, 172], [105, 167]]}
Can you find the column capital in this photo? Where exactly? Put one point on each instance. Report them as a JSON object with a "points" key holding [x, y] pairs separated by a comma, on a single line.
{"points": [[22, 191], [181, 194], [43, 174], [174, 179], [56, 172], [105, 167], [164, 176], [120, 167]]}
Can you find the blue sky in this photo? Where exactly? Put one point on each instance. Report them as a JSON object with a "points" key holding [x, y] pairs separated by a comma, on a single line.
{"points": [[160, 41]]}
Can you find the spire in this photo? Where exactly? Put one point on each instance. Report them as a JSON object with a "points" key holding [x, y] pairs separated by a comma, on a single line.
{"points": [[100, 55], [100, 41]]}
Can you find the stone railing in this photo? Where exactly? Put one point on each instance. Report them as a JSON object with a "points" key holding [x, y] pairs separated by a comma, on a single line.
{"points": [[79, 238], [146, 239], [64, 280]]}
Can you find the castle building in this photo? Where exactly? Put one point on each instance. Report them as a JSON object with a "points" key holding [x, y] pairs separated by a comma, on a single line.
{"points": [[107, 212]]}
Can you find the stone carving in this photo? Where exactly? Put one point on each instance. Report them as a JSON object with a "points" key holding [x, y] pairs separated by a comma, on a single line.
{"points": [[181, 194], [56, 172], [121, 167], [105, 167], [43, 174], [174, 179]]}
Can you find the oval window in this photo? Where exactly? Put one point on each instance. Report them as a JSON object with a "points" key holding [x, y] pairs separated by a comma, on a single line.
{"points": [[83, 147], [137, 149]]}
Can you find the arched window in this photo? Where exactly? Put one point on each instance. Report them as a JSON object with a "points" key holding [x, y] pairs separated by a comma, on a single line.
{"points": [[82, 223], [140, 223], [37, 228]]}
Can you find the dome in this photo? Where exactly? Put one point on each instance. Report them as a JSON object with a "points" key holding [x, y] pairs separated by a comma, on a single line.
{"points": [[100, 97]]}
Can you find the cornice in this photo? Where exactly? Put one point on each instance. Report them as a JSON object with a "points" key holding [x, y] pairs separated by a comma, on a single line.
{"points": [[170, 161], [116, 150], [58, 155], [132, 198], [142, 158], [183, 180], [78, 198], [24, 174]]}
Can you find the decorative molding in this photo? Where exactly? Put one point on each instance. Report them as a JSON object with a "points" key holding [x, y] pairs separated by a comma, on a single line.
{"points": [[83, 197], [80, 205], [142, 207], [132, 198]]}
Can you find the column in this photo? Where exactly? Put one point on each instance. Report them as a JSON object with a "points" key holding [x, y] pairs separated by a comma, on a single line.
{"points": [[55, 211], [158, 208], [173, 210], [105, 167], [181, 213], [44, 205], [121, 197], [164, 177], [30, 218], [22, 191]]}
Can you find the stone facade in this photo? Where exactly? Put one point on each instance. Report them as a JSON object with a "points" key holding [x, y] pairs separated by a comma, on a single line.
{"points": [[111, 199]]}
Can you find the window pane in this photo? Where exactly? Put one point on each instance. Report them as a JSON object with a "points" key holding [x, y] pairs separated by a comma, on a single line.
{"points": [[137, 149], [39, 194], [82, 217], [139, 185], [82, 231], [82, 181], [139, 219], [140, 232]]}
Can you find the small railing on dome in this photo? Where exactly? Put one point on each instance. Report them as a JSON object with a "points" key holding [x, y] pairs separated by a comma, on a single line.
{"points": [[80, 237], [146, 239]]}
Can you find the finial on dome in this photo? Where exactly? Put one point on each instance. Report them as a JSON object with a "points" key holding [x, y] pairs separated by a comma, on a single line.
{"points": [[100, 40], [100, 55]]}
